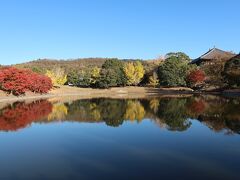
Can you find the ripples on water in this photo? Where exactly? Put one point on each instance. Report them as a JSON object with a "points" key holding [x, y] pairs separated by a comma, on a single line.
{"points": [[184, 137]]}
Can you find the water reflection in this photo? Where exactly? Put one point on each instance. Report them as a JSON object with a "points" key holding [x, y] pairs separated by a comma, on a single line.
{"points": [[20, 114], [175, 114]]}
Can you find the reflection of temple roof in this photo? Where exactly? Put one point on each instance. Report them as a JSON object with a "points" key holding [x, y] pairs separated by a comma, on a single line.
{"points": [[214, 54]]}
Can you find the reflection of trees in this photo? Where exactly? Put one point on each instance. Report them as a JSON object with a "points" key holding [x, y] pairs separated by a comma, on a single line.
{"points": [[20, 114], [134, 111], [219, 114], [234, 126], [95, 113], [222, 114], [196, 106], [59, 112], [154, 104], [84, 111], [172, 112], [112, 111]]}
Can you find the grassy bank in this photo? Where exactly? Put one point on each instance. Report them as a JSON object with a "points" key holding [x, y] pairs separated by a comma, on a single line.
{"points": [[117, 92]]}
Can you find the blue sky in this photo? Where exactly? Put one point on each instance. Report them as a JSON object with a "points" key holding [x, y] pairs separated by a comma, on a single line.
{"points": [[145, 29]]}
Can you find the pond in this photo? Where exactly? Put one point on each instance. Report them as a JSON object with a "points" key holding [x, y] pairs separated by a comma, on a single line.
{"points": [[192, 137]]}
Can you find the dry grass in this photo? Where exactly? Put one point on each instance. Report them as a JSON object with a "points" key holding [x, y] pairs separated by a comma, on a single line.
{"points": [[117, 92]]}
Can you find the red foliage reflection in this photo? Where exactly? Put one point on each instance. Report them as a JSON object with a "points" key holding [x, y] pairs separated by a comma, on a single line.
{"points": [[197, 106], [20, 114]]}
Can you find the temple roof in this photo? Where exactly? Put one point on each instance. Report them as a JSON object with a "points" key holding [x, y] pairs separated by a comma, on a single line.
{"points": [[214, 54], [237, 56]]}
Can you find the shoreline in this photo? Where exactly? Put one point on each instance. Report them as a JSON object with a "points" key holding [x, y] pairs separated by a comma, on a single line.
{"points": [[116, 92]]}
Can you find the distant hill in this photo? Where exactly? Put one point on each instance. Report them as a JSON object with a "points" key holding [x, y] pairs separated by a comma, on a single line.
{"points": [[42, 65], [68, 65]]}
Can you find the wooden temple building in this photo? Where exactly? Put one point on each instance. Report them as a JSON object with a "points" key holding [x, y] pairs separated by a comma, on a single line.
{"points": [[237, 56], [212, 56]]}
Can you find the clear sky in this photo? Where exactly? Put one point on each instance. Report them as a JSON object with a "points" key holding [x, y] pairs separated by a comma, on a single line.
{"points": [[32, 29]]}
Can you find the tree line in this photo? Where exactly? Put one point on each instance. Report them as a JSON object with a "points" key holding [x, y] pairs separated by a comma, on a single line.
{"points": [[174, 70]]}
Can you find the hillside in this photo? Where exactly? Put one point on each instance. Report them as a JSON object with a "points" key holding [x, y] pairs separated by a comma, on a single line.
{"points": [[79, 64], [68, 65]]}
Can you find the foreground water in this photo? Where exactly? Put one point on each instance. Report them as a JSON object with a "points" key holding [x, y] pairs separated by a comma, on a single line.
{"points": [[154, 138]]}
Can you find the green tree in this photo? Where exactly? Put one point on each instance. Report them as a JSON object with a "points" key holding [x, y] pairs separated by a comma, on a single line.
{"points": [[38, 70], [179, 55], [80, 79], [232, 72], [173, 71], [73, 78], [112, 74]]}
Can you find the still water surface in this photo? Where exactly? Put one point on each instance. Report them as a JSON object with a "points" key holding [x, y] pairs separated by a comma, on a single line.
{"points": [[154, 138]]}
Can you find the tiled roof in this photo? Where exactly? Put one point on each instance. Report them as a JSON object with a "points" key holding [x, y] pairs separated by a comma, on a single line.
{"points": [[237, 56], [214, 54]]}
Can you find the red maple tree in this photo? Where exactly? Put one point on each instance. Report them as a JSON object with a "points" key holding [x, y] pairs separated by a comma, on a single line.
{"points": [[196, 76], [19, 81]]}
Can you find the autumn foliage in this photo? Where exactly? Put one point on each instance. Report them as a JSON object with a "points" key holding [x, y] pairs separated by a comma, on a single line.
{"points": [[196, 76], [134, 71], [19, 81], [197, 107], [20, 114]]}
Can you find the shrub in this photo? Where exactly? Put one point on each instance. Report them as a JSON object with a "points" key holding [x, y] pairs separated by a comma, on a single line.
{"points": [[15, 81], [39, 83], [19, 81]]}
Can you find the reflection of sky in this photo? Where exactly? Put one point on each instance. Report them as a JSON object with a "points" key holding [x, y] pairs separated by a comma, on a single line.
{"points": [[133, 150]]}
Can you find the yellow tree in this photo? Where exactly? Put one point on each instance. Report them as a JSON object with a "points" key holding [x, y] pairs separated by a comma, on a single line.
{"points": [[134, 72], [57, 76], [153, 80], [95, 74]]}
